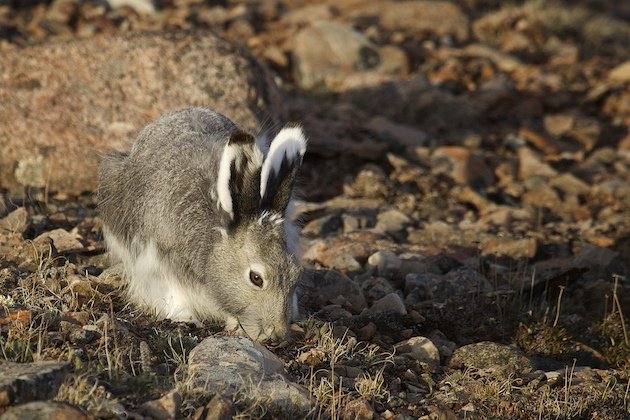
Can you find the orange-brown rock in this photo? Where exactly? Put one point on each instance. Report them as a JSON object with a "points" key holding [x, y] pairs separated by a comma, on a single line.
{"points": [[66, 104]]}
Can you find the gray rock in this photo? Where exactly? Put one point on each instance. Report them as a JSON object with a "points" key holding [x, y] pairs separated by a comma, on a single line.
{"points": [[228, 364], [504, 359], [86, 97], [321, 286], [370, 182], [333, 313], [24, 382], [389, 303], [386, 263], [441, 18], [44, 410], [445, 346], [419, 348], [62, 240], [391, 221], [376, 288], [15, 222], [335, 56]]}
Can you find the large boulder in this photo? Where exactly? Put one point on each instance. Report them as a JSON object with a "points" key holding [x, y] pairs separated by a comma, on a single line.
{"points": [[66, 104]]}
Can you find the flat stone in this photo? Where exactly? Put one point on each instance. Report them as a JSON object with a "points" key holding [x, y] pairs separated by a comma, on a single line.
{"points": [[621, 73], [62, 239], [166, 407], [419, 348], [15, 222], [66, 104], [515, 248], [531, 165], [441, 18], [485, 355], [391, 302], [391, 221], [229, 364], [44, 410], [335, 56], [24, 382]]}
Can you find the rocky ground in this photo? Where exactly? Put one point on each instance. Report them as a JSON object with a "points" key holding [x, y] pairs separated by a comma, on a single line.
{"points": [[465, 210]]}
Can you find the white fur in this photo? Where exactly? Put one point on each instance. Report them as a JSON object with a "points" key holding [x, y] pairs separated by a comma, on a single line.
{"points": [[152, 284], [289, 142], [223, 179]]}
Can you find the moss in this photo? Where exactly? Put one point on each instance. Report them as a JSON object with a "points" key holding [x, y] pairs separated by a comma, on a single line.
{"points": [[541, 339]]}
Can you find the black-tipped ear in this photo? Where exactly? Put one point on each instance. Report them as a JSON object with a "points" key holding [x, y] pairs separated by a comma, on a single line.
{"points": [[238, 182], [281, 167]]}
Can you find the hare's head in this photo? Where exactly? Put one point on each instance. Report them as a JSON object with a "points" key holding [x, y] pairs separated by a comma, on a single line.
{"points": [[255, 271]]}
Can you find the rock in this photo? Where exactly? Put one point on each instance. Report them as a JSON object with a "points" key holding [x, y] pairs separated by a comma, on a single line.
{"points": [[167, 407], [322, 226], [400, 134], [333, 313], [44, 410], [140, 6], [333, 56], [389, 303], [357, 220], [15, 222], [358, 409], [230, 364], [559, 124], [376, 288], [462, 165], [24, 382], [219, 408], [441, 18], [506, 360], [370, 182], [320, 286], [308, 13], [341, 257], [419, 348], [391, 222], [504, 62], [62, 240], [530, 165], [621, 73], [445, 346], [386, 263], [515, 248], [366, 332], [103, 89]]}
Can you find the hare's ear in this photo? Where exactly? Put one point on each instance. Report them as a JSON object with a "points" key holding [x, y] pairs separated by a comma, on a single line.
{"points": [[238, 182], [280, 168]]}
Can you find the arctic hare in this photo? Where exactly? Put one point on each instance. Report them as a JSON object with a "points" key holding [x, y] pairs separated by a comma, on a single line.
{"points": [[196, 212]]}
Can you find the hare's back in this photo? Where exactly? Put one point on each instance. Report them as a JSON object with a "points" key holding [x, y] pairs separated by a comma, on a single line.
{"points": [[192, 128]]}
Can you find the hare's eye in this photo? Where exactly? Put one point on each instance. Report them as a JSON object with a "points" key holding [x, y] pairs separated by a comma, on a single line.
{"points": [[256, 279]]}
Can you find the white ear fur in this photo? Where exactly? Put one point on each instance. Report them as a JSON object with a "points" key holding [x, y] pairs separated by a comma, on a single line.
{"points": [[233, 155], [289, 142], [223, 179]]}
